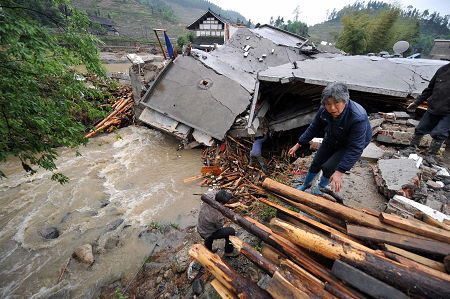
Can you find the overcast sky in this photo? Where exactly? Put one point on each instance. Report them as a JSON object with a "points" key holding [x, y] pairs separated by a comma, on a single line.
{"points": [[312, 11]]}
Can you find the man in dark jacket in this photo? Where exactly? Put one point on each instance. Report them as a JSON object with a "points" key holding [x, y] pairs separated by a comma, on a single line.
{"points": [[436, 120], [210, 222], [347, 132]]}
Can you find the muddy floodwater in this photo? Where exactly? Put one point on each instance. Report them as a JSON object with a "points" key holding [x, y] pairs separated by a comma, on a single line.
{"points": [[119, 184]]}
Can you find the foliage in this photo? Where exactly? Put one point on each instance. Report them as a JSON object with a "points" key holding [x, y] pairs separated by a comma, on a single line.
{"points": [[380, 30], [205, 5], [185, 39], [296, 27], [353, 38], [41, 94], [160, 7], [155, 226], [119, 293], [389, 24]]}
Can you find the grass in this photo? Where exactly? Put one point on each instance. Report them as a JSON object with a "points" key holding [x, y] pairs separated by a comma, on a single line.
{"points": [[155, 226]]}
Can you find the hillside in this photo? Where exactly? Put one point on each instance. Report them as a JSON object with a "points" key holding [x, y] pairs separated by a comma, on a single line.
{"points": [[326, 31], [135, 19]]}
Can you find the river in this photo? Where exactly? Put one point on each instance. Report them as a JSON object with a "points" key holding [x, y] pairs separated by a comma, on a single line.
{"points": [[134, 175]]}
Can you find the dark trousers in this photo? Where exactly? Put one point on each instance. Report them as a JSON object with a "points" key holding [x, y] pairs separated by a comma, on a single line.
{"points": [[223, 233], [327, 159], [437, 126]]}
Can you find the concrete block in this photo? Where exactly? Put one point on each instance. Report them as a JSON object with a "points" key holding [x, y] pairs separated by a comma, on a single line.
{"points": [[376, 122], [411, 207], [433, 203], [396, 173], [401, 138], [401, 115], [435, 185], [372, 152], [412, 122]]}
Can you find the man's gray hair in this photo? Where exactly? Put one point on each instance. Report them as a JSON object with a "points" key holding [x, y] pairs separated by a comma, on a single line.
{"points": [[337, 91]]}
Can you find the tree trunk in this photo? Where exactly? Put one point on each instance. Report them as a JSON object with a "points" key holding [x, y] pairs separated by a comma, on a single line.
{"points": [[402, 277], [230, 279], [337, 210], [286, 247]]}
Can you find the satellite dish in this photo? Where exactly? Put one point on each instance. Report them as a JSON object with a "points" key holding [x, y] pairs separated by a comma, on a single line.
{"points": [[400, 47]]}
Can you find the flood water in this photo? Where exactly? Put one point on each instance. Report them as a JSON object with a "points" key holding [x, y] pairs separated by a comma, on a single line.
{"points": [[134, 175]]}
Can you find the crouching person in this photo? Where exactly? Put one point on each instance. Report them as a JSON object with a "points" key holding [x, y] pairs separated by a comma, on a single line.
{"points": [[210, 223]]}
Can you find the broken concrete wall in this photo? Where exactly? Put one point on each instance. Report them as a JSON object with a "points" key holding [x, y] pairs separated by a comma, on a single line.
{"points": [[198, 97]]}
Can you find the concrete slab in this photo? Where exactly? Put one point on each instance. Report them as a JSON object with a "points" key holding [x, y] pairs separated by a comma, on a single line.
{"points": [[404, 206], [396, 173], [372, 152], [401, 138], [389, 76], [198, 97]]}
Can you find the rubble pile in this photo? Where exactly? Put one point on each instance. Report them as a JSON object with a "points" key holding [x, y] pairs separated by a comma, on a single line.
{"points": [[227, 167], [345, 253], [416, 176]]}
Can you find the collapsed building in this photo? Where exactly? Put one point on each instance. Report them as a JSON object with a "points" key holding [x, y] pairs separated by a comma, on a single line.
{"points": [[267, 77]]}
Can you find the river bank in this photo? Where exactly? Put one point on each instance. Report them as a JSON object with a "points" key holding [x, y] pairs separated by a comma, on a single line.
{"points": [[121, 183]]}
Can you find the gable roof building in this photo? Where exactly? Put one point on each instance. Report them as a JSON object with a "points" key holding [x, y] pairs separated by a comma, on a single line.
{"points": [[211, 28]]}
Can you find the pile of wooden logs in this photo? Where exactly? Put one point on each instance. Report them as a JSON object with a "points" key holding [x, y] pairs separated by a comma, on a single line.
{"points": [[122, 113], [339, 252]]}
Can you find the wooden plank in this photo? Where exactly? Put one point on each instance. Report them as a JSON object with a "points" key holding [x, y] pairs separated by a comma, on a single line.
{"points": [[333, 222], [415, 257], [417, 227], [364, 282], [196, 177], [320, 226], [415, 266], [222, 290], [406, 242], [334, 209], [280, 288]]}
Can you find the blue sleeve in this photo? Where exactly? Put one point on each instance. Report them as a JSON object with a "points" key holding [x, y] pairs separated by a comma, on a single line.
{"points": [[355, 146], [314, 129]]}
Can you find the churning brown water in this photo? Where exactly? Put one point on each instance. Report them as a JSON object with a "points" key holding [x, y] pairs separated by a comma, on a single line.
{"points": [[136, 172]]}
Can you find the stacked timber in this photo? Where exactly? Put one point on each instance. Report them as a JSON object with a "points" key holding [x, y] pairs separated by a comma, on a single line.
{"points": [[121, 115], [340, 252]]}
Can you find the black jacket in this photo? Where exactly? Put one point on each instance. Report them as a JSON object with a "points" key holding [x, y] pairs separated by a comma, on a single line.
{"points": [[438, 92]]}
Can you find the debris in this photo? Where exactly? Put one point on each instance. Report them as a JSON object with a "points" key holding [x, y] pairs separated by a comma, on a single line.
{"points": [[416, 158], [396, 173]]}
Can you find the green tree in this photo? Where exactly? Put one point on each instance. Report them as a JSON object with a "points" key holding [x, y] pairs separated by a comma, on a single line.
{"points": [[353, 38], [380, 30], [40, 93]]}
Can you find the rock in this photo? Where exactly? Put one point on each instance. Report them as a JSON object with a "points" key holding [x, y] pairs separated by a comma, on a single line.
{"points": [[376, 122], [159, 280], [193, 269], [153, 267], [112, 242], [113, 225], [84, 254], [435, 185], [49, 233], [372, 152], [433, 203], [181, 262], [104, 203], [197, 286], [167, 274]]}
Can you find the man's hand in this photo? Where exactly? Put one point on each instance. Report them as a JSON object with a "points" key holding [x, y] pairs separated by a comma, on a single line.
{"points": [[292, 150], [411, 107], [336, 181]]}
